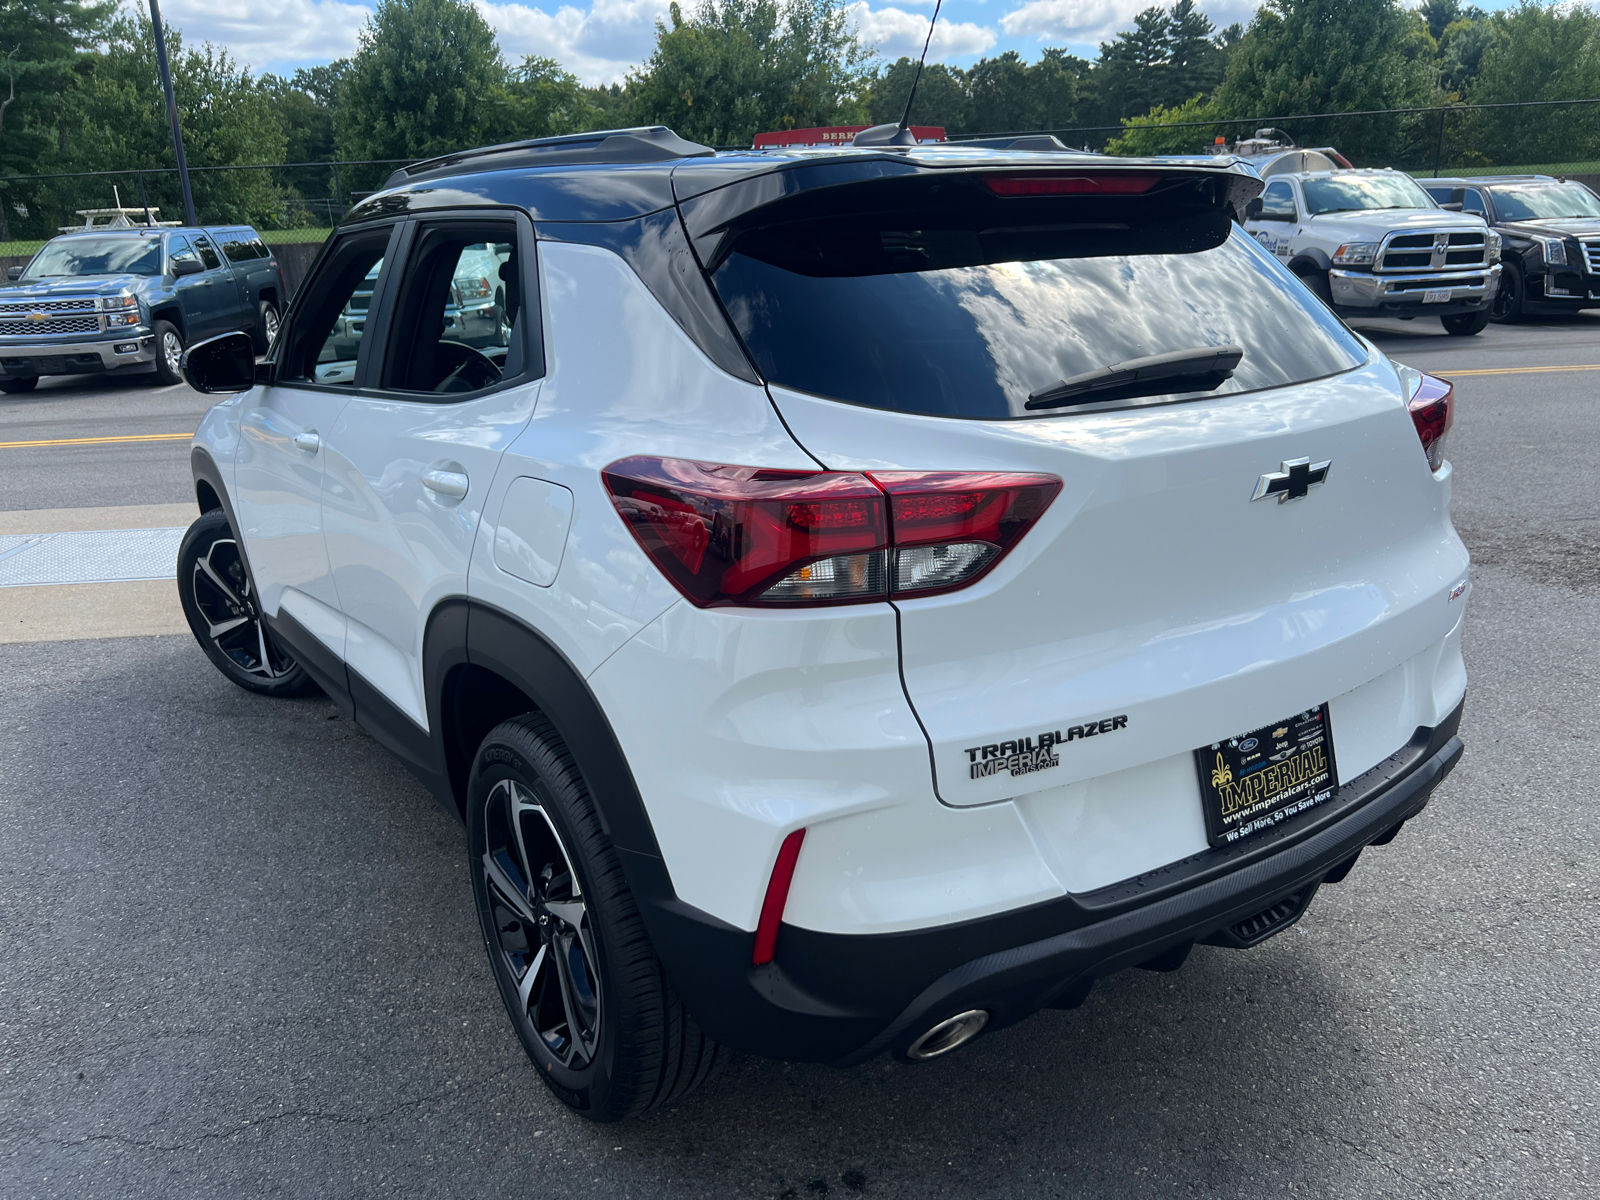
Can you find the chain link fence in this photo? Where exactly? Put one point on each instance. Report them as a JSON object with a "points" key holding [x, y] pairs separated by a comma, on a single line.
{"points": [[294, 205]]}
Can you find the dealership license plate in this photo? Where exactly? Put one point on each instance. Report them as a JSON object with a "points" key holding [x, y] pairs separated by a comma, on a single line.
{"points": [[1436, 296], [1251, 782]]}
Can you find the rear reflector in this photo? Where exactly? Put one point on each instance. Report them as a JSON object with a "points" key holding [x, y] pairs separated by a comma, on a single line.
{"points": [[777, 897], [1433, 412], [727, 535], [1101, 183]]}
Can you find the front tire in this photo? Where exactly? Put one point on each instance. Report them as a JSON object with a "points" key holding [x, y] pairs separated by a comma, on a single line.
{"points": [[1506, 307], [169, 351], [219, 602], [1466, 324], [585, 992], [13, 387]]}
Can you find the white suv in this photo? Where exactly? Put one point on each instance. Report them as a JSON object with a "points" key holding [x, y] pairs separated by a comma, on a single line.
{"points": [[863, 597]]}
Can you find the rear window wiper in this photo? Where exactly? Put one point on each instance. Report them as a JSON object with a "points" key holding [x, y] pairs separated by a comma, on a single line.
{"points": [[1198, 370]]}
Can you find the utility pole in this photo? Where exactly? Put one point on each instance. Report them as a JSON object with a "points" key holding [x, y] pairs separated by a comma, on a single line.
{"points": [[172, 113]]}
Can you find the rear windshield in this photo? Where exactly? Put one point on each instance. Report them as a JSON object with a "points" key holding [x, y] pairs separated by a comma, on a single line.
{"points": [[963, 316]]}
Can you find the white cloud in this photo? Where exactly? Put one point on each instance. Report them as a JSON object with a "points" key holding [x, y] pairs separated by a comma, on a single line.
{"points": [[896, 32], [598, 46], [1090, 21], [288, 32]]}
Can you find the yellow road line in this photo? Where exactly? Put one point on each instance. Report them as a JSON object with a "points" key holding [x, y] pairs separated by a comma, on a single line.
{"points": [[99, 441], [1446, 373]]}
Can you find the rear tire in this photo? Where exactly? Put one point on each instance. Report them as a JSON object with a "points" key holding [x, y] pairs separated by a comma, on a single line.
{"points": [[15, 387], [1506, 307], [219, 601], [169, 351], [1466, 324], [585, 992], [266, 329]]}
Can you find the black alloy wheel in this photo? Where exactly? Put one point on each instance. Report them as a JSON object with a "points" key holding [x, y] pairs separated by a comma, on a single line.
{"points": [[220, 604], [1506, 308], [586, 994]]}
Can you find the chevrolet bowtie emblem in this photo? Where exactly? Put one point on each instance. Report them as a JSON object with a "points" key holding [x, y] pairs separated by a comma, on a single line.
{"points": [[37, 316], [1294, 478]]}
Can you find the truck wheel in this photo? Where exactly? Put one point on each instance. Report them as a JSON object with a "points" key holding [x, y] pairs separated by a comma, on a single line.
{"points": [[586, 994], [1317, 281], [169, 351], [1466, 324], [266, 326], [25, 384], [1506, 308]]}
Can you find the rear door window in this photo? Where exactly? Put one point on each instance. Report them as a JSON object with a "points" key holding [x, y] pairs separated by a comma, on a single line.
{"points": [[970, 311]]}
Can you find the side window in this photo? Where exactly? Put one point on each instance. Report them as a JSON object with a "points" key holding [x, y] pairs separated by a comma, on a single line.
{"points": [[458, 321], [1277, 202], [208, 255], [1474, 203], [179, 250], [239, 246], [258, 249], [325, 341]]}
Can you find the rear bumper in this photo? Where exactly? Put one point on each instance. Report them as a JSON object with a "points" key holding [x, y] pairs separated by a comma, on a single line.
{"points": [[1363, 293], [21, 360], [843, 998]]}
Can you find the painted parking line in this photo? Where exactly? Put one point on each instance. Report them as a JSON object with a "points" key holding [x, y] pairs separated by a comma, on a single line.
{"points": [[98, 441], [1447, 373]]}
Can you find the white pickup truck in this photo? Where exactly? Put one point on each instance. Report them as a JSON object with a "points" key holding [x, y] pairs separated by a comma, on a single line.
{"points": [[1373, 243]]}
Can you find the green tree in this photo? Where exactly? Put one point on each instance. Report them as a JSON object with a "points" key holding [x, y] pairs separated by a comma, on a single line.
{"points": [[1538, 52], [941, 96], [426, 80], [1332, 56], [541, 99], [114, 117], [1149, 134], [1461, 49], [1007, 95], [305, 105], [730, 69]]}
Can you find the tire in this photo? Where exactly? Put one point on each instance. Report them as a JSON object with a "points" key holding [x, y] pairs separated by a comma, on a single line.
{"points": [[1506, 307], [597, 1017], [219, 602], [1317, 281], [165, 334], [266, 329], [15, 387], [1466, 324]]}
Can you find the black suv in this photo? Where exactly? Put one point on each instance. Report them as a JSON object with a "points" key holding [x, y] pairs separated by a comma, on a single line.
{"points": [[1550, 230]]}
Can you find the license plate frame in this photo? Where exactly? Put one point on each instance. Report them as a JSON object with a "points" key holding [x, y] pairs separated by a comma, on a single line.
{"points": [[1257, 780], [1436, 296]]}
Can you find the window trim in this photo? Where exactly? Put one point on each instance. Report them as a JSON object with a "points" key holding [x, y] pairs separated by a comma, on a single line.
{"points": [[532, 330]]}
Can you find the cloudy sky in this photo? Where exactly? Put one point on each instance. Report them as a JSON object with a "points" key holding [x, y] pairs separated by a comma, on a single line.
{"points": [[599, 40]]}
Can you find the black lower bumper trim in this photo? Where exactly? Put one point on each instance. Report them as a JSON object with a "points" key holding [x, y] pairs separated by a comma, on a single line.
{"points": [[846, 998]]}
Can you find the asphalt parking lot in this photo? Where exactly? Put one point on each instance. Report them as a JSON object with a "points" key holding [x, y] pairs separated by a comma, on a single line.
{"points": [[240, 956]]}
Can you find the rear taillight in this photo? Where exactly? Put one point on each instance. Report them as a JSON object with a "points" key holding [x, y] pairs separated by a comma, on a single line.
{"points": [[1433, 411], [1100, 183], [729, 535]]}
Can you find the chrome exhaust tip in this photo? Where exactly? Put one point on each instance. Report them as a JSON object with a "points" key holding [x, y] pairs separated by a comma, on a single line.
{"points": [[948, 1034]]}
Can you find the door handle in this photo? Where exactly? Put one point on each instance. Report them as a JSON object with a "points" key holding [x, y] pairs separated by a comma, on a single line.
{"points": [[309, 441], [446, 483]]}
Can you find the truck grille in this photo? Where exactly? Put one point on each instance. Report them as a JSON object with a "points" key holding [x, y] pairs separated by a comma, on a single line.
{"points": [[54, 327], [1591, 254], [1426, 251], [15, 308]]}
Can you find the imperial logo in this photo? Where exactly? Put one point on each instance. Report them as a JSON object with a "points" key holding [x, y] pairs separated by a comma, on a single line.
{"points": [[1026, 755]]}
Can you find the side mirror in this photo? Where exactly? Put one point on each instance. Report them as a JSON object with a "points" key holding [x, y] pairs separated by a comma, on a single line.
{"points": [[221, 365], [1453, 206], [14, 273], [187, 266], [1252, 211]]}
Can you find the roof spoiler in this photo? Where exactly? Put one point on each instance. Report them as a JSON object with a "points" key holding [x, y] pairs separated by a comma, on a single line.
{"points": [[642, 144]]}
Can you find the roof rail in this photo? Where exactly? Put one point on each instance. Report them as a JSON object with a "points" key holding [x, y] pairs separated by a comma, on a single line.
{"points": [[643, 144]]}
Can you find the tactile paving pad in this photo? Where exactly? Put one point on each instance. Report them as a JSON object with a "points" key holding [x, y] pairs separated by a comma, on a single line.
{"points": [[98, 556]]}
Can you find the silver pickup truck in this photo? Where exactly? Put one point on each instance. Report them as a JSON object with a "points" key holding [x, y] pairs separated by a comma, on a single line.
{"points": [[127, 301]]}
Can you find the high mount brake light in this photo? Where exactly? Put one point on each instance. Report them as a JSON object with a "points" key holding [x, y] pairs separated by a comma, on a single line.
{"points": [[1101, 183], [1433, 412], [726, 535]]}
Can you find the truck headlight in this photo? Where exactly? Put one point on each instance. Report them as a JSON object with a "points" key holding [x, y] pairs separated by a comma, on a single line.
{"points": [[118, 320], [116, 303], [1356, 254], [1555, 250], [1494, 247]]}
